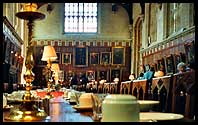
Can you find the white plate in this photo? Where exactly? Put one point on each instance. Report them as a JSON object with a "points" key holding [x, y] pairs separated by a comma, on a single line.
{"points": [[82, 108], [147, 102], [159, 116], [146, 105]]}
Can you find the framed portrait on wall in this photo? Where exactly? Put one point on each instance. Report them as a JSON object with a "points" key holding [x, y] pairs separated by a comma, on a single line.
{"points": [[80, 56], [103, 74], [66, 58], [177, 60], [169, 63], [190, 52], [118, 55], [115, 73], [161, 64], [105, 58], [91, 75], [94, 58]]}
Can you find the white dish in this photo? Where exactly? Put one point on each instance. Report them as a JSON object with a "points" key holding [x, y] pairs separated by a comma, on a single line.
{"points": [[82, 108], [146, 105], [147, 102], [159, 116]]}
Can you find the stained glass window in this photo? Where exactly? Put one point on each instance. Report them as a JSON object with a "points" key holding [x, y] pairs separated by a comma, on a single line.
{"points": [[80, 17]]}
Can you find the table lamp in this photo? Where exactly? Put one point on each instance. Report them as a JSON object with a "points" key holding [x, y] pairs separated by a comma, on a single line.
{"points": [[116, 80], [49, 55], [131, 77]]}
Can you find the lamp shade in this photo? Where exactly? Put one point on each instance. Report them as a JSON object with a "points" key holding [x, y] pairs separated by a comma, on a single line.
{"points": [[131, 77], [49, 53], [116, 80]]}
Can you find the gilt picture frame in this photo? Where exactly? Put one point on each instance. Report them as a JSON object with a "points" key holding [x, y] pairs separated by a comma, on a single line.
{"points": [[94, 58], [80, 56], [169, 64], [66, 58], [91, 75], [105, 58], [103, 74], [190, 52], [118, 57], [116, 73]]}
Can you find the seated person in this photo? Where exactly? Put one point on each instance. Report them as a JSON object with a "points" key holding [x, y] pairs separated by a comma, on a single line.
{"points": [[181, 67], [149, 74], [141, 76], [74, 81]]}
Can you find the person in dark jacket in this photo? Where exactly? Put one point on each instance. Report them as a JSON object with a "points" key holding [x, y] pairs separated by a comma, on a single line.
{"points": [[74, 81], [84, 81]]}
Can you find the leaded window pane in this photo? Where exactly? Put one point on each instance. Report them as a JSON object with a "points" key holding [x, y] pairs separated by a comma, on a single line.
{"points": [[80, 17]]}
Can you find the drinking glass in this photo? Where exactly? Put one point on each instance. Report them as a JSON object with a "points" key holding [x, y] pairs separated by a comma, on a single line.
{"points": [[97, 100], [77, 96]]}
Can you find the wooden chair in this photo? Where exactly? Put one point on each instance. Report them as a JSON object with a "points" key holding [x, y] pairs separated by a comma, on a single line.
{"points": [[160, 91], [125, 87], [183, 94], [139, 85], [106, 87], [100, 88], [113, 88]]}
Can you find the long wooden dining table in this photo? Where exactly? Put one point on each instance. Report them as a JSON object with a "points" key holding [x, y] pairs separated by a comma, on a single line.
{"points": [[59, 112], [64, 112]]}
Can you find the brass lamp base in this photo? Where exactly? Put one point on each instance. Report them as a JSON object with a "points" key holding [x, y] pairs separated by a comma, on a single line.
{"points": [[27, 112]]}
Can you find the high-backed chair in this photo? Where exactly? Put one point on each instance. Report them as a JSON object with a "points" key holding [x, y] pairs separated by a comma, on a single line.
{"points": [[113, 88], [183, 94], [100, 88], [125, 87], [160, 91], [137, 86], [106, 87]]}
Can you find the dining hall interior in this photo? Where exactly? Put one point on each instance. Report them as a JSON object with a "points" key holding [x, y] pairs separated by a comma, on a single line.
{"points": [[99, 62]]}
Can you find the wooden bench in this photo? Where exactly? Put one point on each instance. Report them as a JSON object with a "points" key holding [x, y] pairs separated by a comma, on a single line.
{"points": [[160, 89], [139, 85], [183, 94], [125, 87]]}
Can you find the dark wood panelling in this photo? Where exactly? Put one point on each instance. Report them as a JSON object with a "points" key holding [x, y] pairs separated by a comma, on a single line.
{"points": [[71, 68]]}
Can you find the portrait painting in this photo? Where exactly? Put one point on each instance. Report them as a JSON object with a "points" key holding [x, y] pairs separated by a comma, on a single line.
{"points": [[118, 55], [80, 56], [66, 58], [94, 58], [169, 63], [105, 58]]}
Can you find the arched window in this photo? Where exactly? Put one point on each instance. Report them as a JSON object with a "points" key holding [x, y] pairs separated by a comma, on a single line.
{"points": [[80, 18], [173, 18]]}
